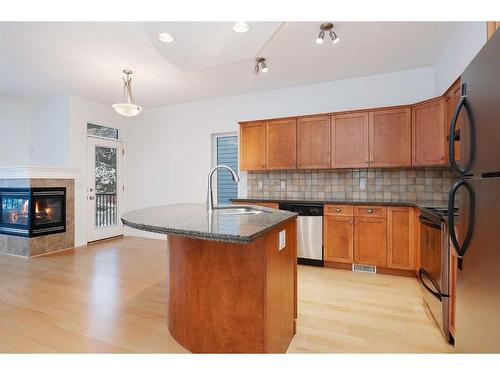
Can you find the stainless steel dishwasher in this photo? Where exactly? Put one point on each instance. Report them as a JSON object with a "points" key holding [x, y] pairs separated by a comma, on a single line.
{"points": [[309, 232]]}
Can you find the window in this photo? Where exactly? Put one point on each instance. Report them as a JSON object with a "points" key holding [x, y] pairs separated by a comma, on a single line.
{"points": [[226, 152], [102, 131]]}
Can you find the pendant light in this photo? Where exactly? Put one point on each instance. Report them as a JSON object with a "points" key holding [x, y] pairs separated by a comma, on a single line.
{"points": [[127, 108]]}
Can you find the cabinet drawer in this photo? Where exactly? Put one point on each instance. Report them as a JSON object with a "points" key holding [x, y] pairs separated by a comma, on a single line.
{"points": [[370, 211], [338, 210]]}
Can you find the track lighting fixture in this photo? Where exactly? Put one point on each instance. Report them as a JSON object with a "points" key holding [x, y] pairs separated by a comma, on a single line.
{"points": [[327, 28], [260, 64]]}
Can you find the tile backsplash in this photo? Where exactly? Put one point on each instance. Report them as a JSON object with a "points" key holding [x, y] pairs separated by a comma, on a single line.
{"points": [[404, 184]]}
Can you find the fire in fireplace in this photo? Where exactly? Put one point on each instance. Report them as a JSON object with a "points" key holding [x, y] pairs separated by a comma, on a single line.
{"points": [[31, 212]]}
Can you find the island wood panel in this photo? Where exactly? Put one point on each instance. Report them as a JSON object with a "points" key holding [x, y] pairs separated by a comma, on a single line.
{"points": [[370, 241], [313, 142], [281, 144], [390, 138], [253, 146], [400, 238], [281, 289], [428, 137], [338, 238], [350, 140], [218, 296]]}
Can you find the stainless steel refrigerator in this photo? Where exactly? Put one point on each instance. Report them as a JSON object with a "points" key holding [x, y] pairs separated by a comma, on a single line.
{"points": [[477, 194]]}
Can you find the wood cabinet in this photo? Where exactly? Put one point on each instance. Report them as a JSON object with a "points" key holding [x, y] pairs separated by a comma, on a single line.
{"points": [[492, 27], [428, 133], [281, 142], [338, 229], [350, 140], [390, 138], [416, 238], [253, 146], [370, 241], [400, 238], [313, 142]]}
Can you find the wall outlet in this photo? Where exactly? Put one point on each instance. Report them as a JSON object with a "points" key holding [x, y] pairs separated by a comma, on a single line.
{"points": [[259, 184], [282, 240], [283, 184], [362, 184]]}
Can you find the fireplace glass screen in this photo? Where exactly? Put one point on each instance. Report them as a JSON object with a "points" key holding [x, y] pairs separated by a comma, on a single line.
{"points": [[15, 208], [48, 210]]}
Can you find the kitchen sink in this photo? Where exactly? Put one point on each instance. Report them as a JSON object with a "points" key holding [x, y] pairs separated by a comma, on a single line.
{"points": [[242, 210]]}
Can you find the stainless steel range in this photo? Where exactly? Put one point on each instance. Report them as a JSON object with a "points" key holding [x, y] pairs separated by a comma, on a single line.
{"points": [[434, 265]]}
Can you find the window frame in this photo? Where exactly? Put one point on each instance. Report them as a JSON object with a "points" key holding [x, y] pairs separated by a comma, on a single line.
{"points": [[214, 138]]}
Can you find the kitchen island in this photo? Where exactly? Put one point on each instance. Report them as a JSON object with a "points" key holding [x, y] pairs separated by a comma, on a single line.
{"points": [[232, 284]]}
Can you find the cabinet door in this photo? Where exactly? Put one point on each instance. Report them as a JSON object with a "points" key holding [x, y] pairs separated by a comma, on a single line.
{"points": [[400, 238], [281, 144], [390, 138], [370, 241], [428, 126], [338, 238], [253, 146], [313, 142], [350, 140]]}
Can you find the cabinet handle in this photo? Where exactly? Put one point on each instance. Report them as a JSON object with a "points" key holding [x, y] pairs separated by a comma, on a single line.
{"points": [[338, 210], [370, 210]]}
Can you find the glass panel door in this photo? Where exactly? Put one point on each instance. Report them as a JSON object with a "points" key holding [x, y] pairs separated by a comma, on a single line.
{"points": [[104, 189]]}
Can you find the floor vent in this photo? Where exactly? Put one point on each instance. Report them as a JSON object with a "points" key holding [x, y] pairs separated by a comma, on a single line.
{"points": [[364, 268]]}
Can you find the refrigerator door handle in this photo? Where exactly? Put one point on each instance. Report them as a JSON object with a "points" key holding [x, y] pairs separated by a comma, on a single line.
{"points": [[461, 249], [454, 165]]}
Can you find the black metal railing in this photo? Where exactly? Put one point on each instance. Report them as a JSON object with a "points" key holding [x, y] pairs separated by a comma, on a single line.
{"points": [[106, 209]]}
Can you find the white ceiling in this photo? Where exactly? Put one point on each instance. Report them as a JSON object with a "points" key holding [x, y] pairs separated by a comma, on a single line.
{"points": [[208, 59]]}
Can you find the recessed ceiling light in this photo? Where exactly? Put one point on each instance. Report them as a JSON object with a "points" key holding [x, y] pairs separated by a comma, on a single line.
{"points": [[241, 27], [165, 37]]}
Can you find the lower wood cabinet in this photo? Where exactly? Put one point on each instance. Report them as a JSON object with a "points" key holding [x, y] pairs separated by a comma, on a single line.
{"points": [[400, 238], [338, 241], [370, 241]]}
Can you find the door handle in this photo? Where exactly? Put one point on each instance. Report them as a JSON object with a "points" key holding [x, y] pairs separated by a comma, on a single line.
{"points": [[461, 249], [92, 198], [435, 293]]}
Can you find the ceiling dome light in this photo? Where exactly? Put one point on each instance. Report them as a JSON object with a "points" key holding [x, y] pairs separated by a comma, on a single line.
{"points": [[127, 108], [241, 27], [327, 27], [260, 64], [165, 37]]}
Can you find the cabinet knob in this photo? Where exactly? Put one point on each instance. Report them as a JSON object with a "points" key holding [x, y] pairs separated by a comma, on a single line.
{"points": [[370, 210], [338, 210]]}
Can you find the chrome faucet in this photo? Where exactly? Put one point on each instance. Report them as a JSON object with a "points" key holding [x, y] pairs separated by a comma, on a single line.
{"points": [[210, 196]]}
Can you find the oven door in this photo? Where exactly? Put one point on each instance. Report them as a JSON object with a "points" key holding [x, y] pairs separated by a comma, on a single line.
{"points": [[433, 272]]}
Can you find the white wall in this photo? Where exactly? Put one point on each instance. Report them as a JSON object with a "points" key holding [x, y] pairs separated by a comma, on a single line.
{"points": [[15, 117], [458, 52], [169, 148]]}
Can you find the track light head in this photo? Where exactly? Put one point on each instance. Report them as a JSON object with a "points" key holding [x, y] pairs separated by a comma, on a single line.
{"points": [[260, 65], [327, 28]]}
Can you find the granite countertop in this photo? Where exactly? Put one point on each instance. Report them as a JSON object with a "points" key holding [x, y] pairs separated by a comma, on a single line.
{"points": [[381, 202], [193, 221]]}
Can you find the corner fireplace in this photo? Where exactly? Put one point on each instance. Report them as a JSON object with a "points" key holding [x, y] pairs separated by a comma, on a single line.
{"points": [[32, 212]]}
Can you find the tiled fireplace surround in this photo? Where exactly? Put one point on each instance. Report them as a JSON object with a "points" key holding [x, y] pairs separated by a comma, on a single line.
{"points": [[33, 246], [404, 184]]}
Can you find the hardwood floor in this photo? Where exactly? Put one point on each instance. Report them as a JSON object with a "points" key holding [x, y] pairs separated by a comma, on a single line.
{"points": [[110, 297]]}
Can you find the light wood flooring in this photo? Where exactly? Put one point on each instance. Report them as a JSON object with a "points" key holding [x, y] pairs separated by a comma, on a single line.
{"points": [[110, 297]]}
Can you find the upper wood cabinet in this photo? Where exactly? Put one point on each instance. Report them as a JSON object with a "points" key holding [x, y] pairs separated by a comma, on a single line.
{"points": [[390, 138], [350, 140], [491, 28], [281, 144], [400, 238], [313, 142], [428, 126], [253, 146]]}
